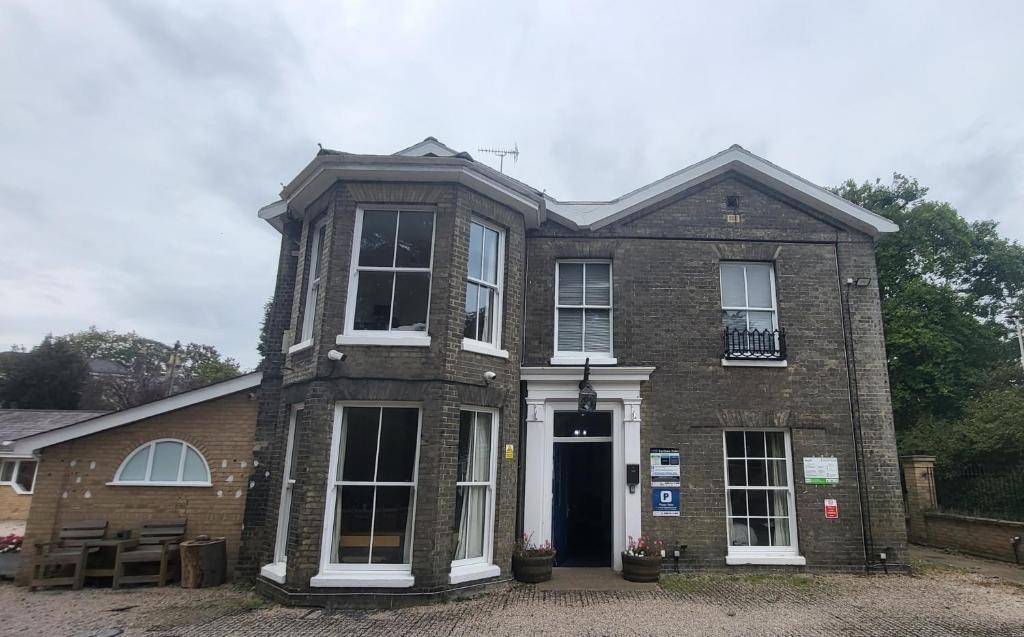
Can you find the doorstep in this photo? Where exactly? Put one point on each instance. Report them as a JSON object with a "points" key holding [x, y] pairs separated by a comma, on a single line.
{"points": [[591, 579]]}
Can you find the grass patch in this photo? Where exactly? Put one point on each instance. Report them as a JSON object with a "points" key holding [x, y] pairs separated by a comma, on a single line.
{"points": [[253, 601]]}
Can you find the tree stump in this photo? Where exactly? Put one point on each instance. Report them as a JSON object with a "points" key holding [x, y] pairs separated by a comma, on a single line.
{"points": [[203, 562]]}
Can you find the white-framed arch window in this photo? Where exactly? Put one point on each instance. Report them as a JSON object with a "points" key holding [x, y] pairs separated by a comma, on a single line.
{"points": [[166, 462]]}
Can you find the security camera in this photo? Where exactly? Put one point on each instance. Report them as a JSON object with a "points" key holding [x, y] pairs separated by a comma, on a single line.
{"points": [[489, 376], [335, 355]]}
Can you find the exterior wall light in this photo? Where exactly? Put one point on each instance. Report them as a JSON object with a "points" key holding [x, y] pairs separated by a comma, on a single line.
{"points": [[588, 397]]}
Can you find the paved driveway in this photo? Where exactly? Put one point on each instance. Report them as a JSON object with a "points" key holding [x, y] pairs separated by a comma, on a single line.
{"points": [[936, 602]]}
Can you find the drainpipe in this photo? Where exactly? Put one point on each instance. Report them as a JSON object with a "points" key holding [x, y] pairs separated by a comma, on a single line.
{"points": [[858, 456], [523, 392]]}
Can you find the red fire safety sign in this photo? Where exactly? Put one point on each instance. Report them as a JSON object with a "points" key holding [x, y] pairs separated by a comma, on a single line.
{"points": [[831, 509]]}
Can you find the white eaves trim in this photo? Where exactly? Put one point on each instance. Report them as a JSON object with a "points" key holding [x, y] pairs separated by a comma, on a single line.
{"points": [[329, 170], [593, 215], [30, 444]]}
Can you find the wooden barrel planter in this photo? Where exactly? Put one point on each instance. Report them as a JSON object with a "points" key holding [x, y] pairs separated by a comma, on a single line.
{"points": [[532, 570], [640, 569], [203, 562]]}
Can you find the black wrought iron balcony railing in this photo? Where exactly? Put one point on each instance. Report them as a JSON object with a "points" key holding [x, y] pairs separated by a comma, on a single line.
{"points": [[761, 345]]}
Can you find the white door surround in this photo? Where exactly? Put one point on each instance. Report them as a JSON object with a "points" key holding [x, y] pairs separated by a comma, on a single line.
{"points": [[552, 389]]}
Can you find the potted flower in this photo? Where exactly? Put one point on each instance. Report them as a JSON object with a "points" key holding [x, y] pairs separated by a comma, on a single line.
{"points": [[532, 563], [10, 551], [641, 561]]}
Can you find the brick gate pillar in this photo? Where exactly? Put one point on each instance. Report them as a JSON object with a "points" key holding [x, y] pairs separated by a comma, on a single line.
{"points": [[919, 478]]}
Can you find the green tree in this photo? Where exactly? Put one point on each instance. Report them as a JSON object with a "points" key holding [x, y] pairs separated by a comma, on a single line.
{"points": [[263, 347], [51, 376], [948, 287], [156, 369]]}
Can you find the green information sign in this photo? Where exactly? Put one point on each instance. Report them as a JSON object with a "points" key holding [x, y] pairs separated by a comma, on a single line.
{"points": [[821, 471]]}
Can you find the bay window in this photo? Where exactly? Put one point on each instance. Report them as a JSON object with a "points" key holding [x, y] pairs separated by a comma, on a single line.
{"points": [[474, 496], [317, 239], [368, 528], [761, 521], [389, 290], [583, 311], [276, 569], [482, 319]]}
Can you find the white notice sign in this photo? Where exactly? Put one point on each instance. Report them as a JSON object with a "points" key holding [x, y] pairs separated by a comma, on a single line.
{"points": [[821, 471]]}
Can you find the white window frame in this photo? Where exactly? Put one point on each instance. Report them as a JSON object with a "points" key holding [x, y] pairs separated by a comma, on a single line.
{"points": [[578, 358], [312, 286], [497, 310], [475, 568], [276, 570], [149, 468], [781, 555], [746, 291], [333, 574], [13, 482], [351, 336]]}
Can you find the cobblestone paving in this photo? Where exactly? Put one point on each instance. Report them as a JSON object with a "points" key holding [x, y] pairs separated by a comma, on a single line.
{"points": [[938, 603]]}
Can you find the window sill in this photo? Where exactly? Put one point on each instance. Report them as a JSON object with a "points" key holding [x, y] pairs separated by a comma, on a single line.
{"points": [[726, 362], [298, 347], [580, 360], [363, 579], [15, 488], [766, 560], [160, 484], [408, 339], [486, 349], [472, 572], [274, 572]]}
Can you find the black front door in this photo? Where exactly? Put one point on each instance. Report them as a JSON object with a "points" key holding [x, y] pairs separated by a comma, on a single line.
{"points": [[581, 506]]}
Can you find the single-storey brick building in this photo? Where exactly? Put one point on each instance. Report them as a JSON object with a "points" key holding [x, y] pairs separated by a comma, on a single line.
{"points": [[186, 456], [18, 470]]}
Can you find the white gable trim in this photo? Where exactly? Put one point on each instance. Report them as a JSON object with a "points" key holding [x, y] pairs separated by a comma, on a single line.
{"points": [[410, 165], [594, 215], [30, 444]]}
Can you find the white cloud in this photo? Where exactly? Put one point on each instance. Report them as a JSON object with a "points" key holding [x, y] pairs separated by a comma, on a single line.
{"points": [[139, 139]]}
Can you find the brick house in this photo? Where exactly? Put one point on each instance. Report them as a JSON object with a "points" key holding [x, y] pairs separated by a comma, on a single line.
{"points": [[18, 469], [185, 456], [435, 317]]}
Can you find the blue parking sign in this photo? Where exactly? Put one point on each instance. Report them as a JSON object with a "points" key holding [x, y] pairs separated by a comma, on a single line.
{"points": [[665, 501]]}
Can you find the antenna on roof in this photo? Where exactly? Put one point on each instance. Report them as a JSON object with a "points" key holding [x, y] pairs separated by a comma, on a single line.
{"points": [[502, 152]]}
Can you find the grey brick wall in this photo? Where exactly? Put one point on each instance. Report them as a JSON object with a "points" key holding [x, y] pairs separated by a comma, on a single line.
{"points": [[441, 377], [667, 313]]}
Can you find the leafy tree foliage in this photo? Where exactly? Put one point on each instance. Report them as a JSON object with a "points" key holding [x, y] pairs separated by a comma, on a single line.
{"points": [[154, 369], [51, 376], [948, 288], [151, 370], [263, 347]]}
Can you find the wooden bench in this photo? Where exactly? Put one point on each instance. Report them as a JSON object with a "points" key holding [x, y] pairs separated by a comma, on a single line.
{"points": [[72, 549], [157, 544]]}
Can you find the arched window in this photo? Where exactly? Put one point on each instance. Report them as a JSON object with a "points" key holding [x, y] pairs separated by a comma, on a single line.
{"points": [[166, 462]]}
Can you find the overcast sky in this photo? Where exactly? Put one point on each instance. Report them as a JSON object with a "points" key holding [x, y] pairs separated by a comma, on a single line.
{"points": [[137, 140]]}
